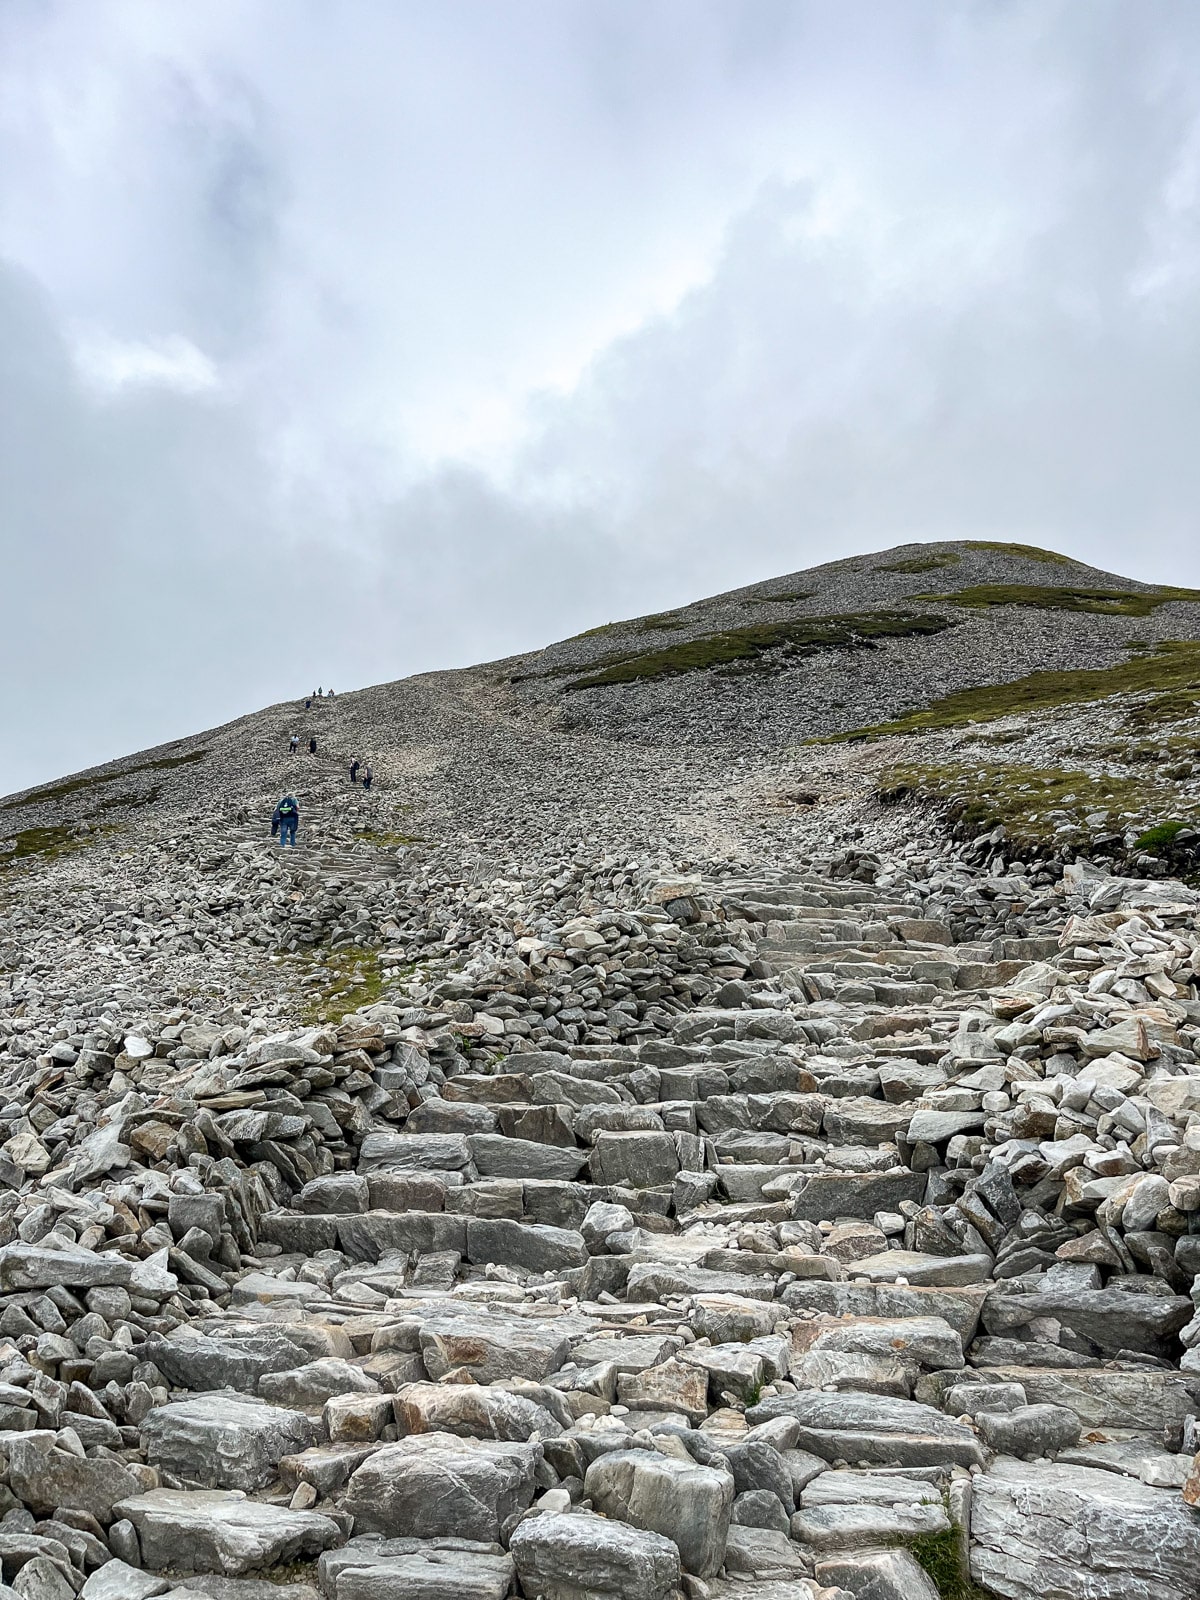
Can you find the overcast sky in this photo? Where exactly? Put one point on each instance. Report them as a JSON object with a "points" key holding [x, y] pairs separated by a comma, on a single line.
{"points": [[342, 341]]}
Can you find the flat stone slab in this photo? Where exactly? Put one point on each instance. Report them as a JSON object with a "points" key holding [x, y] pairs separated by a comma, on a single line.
{"points": [[224, 1441], [1045, 1528], [855, 1194], [873, 1428], [921, 1270], [430, 1573], [214, 1530], [959, 1307], [33, 1266]]}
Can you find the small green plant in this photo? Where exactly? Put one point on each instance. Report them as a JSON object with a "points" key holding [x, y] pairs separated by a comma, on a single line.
{"points": [[938, 1554], [1155, 838]]}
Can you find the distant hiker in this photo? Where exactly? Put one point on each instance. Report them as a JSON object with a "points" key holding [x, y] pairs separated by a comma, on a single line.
{"points": [[354, 771], [320, 692], [308, 704], [329, 694], [312, 747], [285, 821], [367, 776], [293, 744]]}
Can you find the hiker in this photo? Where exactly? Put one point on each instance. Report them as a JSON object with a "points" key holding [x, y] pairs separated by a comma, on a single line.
{"points": [[312, 747], [367, 776], [329, 694], [285, 821], [293, 744], [320, 692], [354, 770], [308, 704]]}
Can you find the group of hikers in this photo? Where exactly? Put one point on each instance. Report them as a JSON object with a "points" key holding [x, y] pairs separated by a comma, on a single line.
{"points": [[286, 817], [318, 694]]}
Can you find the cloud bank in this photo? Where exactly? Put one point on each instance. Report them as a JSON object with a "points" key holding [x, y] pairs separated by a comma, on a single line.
{"points": [[338, 343]]}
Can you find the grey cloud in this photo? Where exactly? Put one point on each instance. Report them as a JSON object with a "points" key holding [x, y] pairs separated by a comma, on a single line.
{"points": [[522, 320]]}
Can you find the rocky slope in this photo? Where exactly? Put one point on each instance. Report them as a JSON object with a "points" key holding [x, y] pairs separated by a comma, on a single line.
{"points": [[633, 1150]]}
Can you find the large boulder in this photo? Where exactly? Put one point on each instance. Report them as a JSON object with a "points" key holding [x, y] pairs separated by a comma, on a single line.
{"points": [[686, 1502], [471, 1410], [193, 1358], [491, 1347], [48, 1479], [436, 1485], [1041, 1529], [585, 1557], [224, 1441]]}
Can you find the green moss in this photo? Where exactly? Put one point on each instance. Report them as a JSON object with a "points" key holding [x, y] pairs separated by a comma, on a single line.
{"points": [[70, 786], [1173, 667], [1030, 552], [1033, 803], [744, 648], [929, 563], [938, 1554], [1103, 602], [1155, 838]]}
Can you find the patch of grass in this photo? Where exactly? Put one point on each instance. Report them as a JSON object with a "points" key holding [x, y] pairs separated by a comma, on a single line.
{"points": [[938, 1554], [1173, 705], [354, 981], [1033, 803], [70, 786], [1155, 838], [48, 842], [1103, 602], [1174, 666], [744, 648], [929, 563], [1031, 552], [132, 798], [660, 621]]}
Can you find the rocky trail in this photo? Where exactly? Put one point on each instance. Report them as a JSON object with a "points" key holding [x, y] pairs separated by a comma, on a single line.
{"points": [[539, 1208]]}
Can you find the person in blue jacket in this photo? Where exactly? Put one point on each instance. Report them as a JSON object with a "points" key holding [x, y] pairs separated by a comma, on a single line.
{"points": [[285, 821]]}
